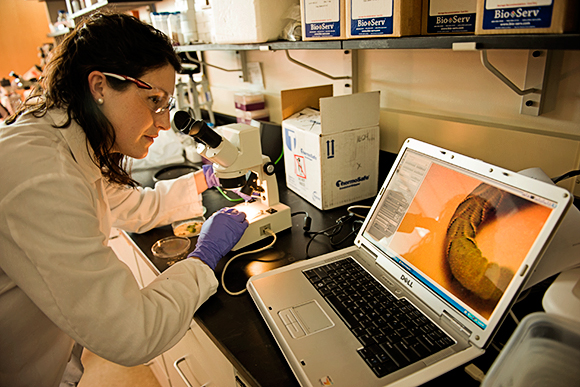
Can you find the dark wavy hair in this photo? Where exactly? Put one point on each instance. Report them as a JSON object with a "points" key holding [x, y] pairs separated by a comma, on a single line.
{"points": [[109, 42]]}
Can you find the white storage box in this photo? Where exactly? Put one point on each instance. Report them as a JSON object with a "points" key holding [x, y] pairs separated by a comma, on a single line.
{"points": [[331, 155], [249, 21]]}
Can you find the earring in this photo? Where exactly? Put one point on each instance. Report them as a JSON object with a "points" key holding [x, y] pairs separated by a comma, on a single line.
{"points": [[100, 101]]}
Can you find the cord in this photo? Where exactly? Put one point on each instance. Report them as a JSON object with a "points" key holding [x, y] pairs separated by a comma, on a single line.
{"points": [[268, 231], [474, 371], [227, 197], [516, 320], [307, 220], [496, 347], [565, 176], [351, 208], [332, 231], [280, 158]]}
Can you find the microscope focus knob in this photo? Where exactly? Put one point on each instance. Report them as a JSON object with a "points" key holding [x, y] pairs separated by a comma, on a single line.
{"points": [[269, 168]]}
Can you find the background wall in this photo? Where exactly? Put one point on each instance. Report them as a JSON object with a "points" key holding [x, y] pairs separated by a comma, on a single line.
{"points": [[440, 96], [23, 28]]}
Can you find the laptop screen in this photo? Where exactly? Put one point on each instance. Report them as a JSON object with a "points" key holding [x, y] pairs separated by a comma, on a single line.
{"points": [[461, 234]]}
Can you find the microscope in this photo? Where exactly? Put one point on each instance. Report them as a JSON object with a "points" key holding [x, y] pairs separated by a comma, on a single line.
{"points": [[238, 163]]}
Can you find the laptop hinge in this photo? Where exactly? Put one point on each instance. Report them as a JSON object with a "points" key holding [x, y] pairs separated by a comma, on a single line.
{"points": [[460, 328], [368, 251]]}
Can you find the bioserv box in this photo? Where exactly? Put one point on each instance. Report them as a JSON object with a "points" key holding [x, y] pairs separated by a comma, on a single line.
{"points": [[331, 145], [383, 18], [449, 17], [526, 17], [323, 19]]}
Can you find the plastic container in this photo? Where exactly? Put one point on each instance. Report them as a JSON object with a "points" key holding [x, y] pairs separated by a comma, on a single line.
{"points": [[249, 101], [174, 27], [188, 26], [171, 249], [62, 16], [76, 6], [544, 350], [159, 21], [245, 117]]}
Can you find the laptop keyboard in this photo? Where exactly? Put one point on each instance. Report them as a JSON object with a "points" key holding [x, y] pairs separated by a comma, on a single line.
{"points": [[393, 332]]}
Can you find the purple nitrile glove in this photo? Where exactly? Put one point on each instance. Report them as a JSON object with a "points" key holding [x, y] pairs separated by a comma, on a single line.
{"points": [[210, 177], [219, 234], [243, 195]]}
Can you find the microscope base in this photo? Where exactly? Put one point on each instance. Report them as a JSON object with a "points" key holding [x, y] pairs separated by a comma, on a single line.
{"points": [[261, 217]]}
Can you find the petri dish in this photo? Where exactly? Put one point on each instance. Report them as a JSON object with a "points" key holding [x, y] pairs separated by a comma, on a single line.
{"points": [[171, 249], [188, 228]]}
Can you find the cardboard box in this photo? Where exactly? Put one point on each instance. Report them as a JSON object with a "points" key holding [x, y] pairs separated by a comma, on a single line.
{"points": [[331, 145], [517, 17], [249, 21], [323, 19], [449, 17], [383, 18]]}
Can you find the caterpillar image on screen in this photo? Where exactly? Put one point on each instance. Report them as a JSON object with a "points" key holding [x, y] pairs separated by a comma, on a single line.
{"points": [[468, 264]]}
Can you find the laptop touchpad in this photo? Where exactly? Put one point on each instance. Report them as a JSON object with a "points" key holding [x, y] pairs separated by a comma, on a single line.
{"points": [[305, 319]]}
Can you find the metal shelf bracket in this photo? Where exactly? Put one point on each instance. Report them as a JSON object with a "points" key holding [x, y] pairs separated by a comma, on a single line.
{"points": [[243, 60], [536, 73], [315, 70]]}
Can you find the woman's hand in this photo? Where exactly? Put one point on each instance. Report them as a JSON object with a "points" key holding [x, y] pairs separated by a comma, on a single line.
{"points": [[219, 234], [210, 177]]}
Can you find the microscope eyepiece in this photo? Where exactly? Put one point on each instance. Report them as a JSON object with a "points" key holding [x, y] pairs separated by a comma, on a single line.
{"points": [[198, 129], [182, 121]]}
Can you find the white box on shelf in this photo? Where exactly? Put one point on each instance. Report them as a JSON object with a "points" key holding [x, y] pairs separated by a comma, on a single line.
{"points": [[331, 155], [249, 21]]}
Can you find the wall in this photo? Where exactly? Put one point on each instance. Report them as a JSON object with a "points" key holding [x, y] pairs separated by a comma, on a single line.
{"points": [[439, 96], [23, 29]]}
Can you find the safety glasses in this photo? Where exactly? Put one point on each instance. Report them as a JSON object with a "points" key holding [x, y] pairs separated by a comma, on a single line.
{"points": [[156, 99]]}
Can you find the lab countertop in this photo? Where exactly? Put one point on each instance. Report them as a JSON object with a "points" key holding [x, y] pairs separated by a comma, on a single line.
{"points": [[237, 328]]}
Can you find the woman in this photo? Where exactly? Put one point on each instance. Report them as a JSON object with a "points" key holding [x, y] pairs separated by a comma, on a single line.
{"points": [[105, 95]]}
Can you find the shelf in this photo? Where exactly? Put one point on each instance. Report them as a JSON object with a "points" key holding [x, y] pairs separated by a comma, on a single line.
{"points": [[119, 6], [489, 42], [58, 33], [273, 46], [513, 42]]}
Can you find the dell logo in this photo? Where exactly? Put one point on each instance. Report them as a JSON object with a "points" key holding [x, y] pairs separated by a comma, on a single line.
{"points": [[407, 281]]}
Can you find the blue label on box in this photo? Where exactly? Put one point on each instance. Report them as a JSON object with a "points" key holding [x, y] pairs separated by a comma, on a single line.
{"points": [[371, 26], [458, 23], [324, 29], [515, 18]]}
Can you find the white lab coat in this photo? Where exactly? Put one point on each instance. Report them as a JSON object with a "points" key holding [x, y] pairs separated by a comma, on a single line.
{"points": [[59, 281]]}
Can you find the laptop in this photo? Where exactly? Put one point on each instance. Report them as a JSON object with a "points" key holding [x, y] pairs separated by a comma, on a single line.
{"points": [[442, 255]]}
